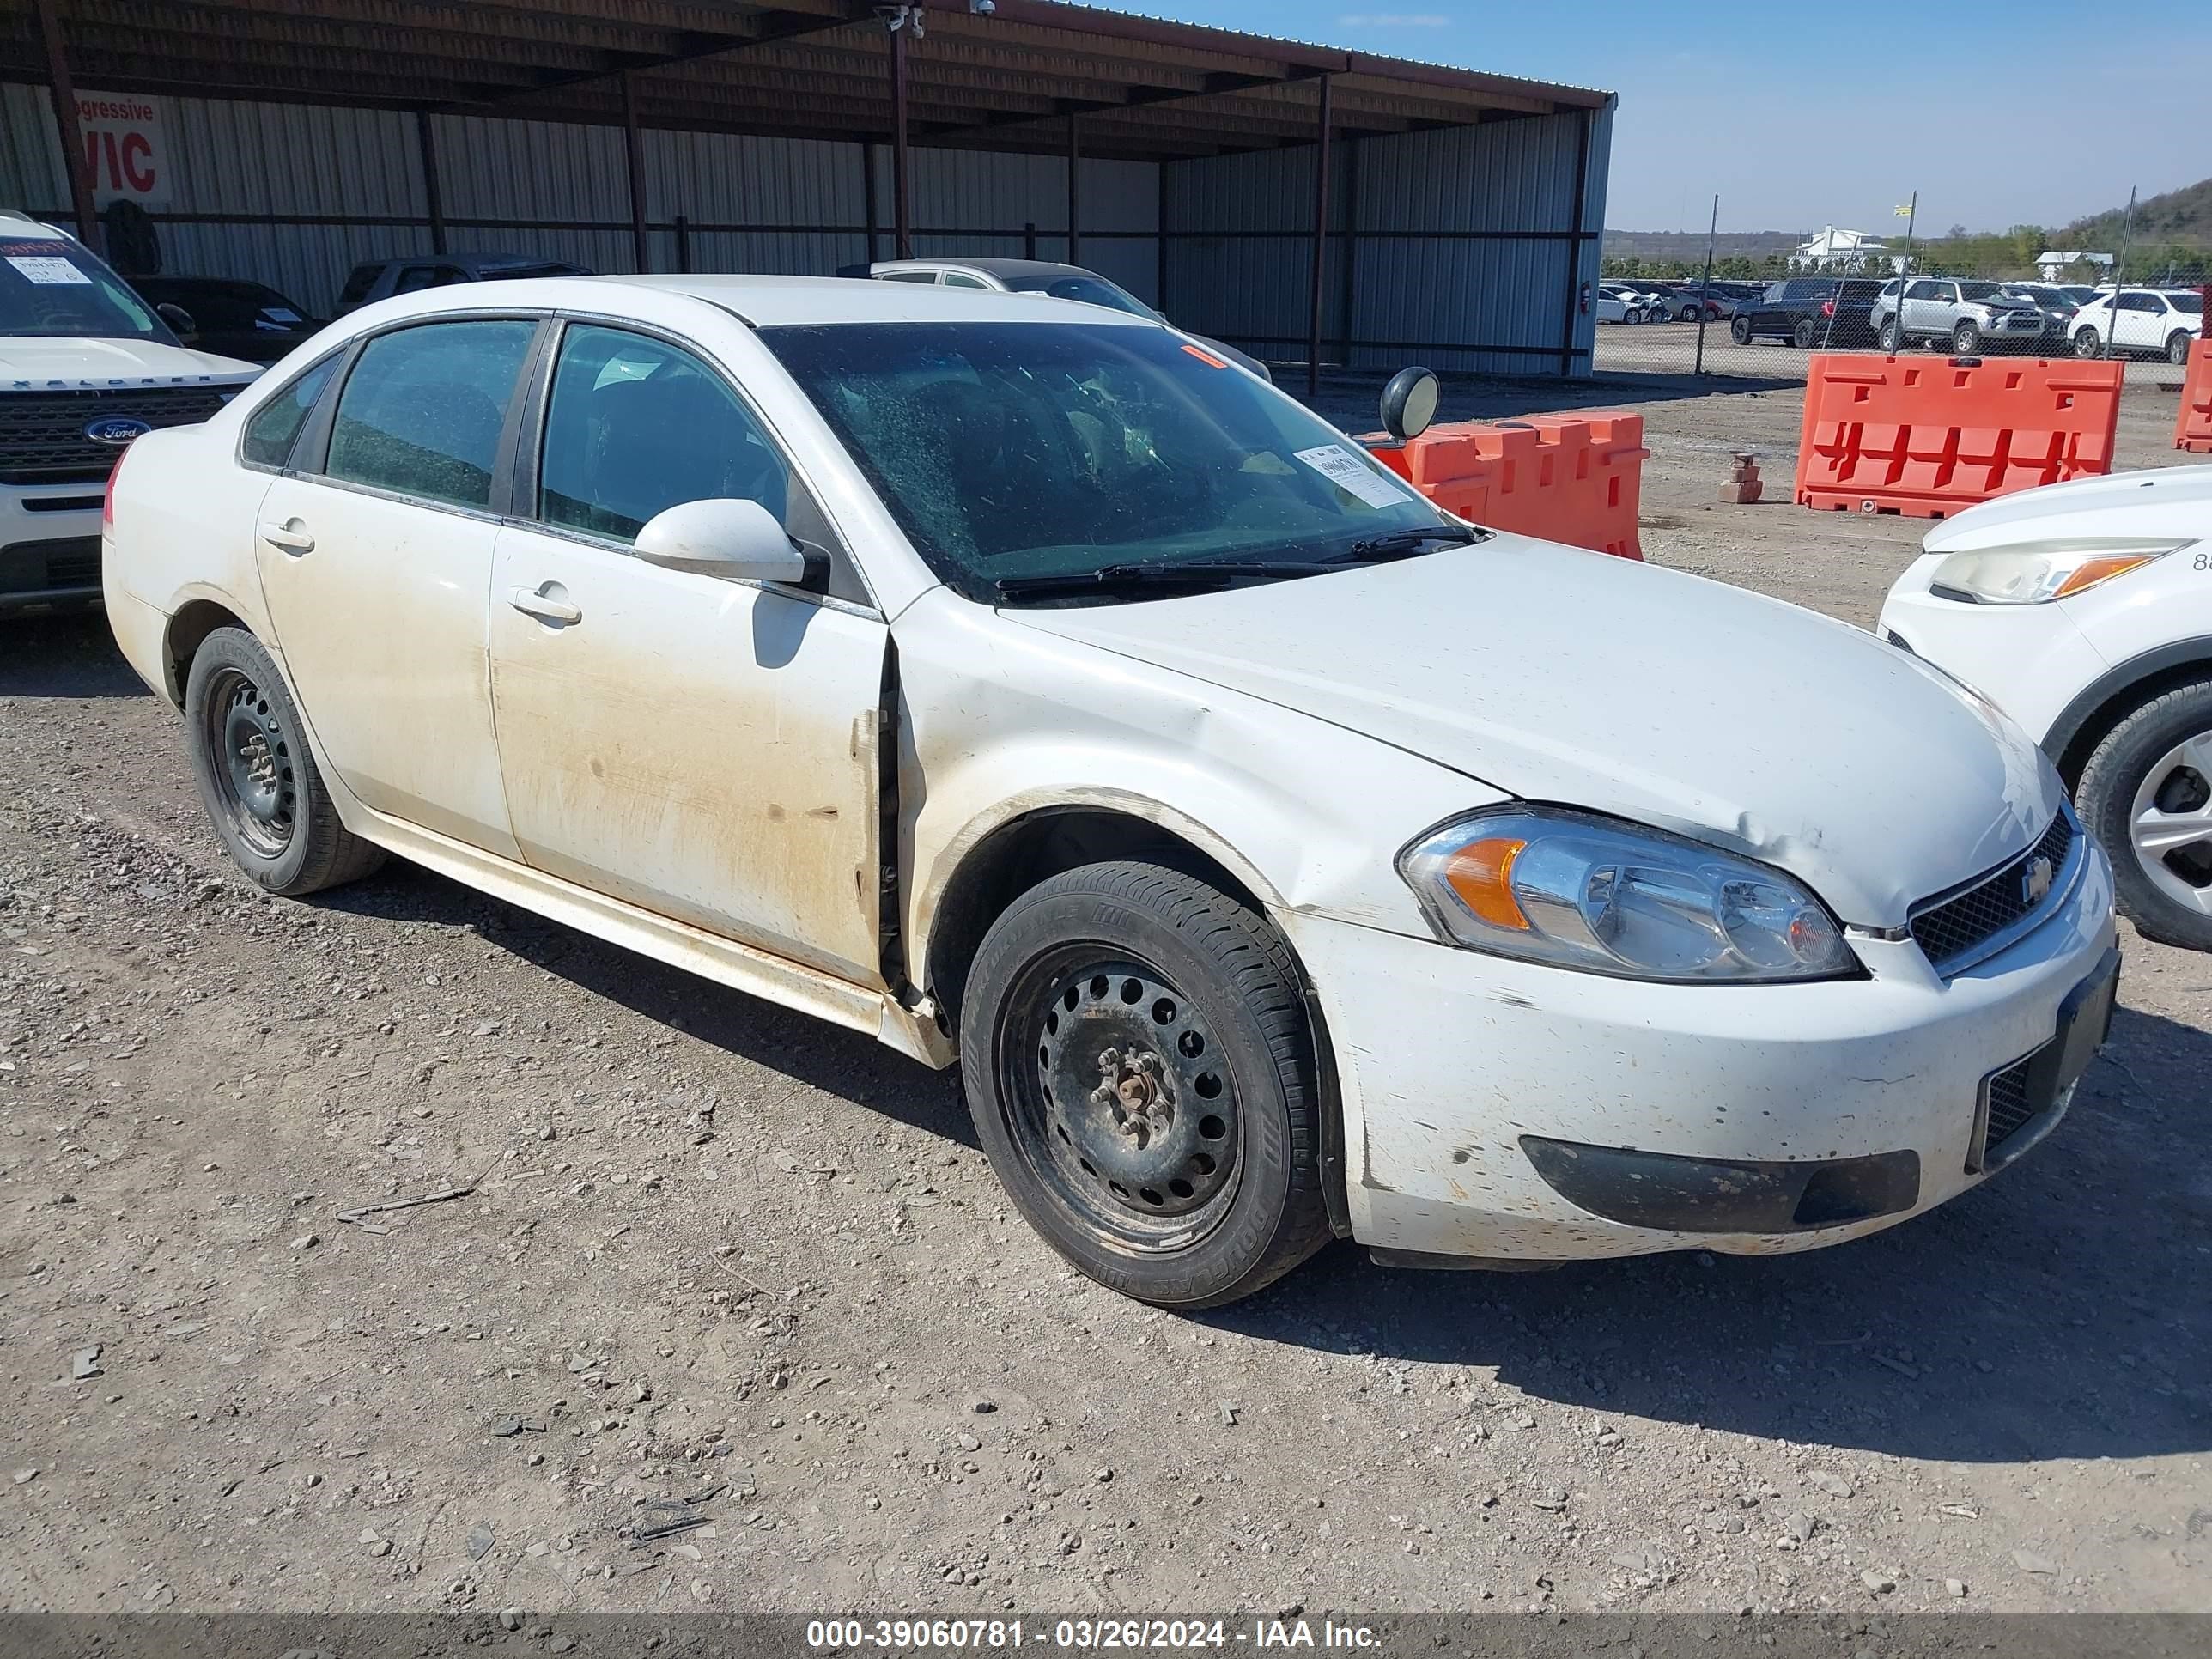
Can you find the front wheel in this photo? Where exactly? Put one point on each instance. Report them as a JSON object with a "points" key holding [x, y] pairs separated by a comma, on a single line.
{"points": [[2147, 795], [1966, 340], [1136, 1057], [2087, 343], [2176, 348], [1740, 330], [256, 777]]}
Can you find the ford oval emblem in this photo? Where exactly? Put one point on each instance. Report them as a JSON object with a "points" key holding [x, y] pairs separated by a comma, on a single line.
{"points": [[116, 429]]}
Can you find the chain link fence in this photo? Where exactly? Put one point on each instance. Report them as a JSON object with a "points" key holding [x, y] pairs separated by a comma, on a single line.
{"points": [[1665, 304]]}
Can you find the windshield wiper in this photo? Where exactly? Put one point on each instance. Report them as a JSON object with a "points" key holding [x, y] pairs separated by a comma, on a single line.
{"points": [[1194, 573], [1413, 541]]}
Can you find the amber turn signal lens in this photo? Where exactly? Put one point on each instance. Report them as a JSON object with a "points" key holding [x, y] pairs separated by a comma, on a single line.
{"points": [[2090, 572], [1481, 873]]}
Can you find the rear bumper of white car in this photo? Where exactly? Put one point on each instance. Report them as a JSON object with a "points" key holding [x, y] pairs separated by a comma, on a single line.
{"points": [[1495, 1108]]}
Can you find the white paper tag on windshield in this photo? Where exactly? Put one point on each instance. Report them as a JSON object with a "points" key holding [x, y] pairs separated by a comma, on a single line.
{"points": [[1347, 471], [46, 269]]}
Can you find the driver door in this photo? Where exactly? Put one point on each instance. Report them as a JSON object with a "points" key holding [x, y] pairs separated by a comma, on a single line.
{"points": [[705, 749]]}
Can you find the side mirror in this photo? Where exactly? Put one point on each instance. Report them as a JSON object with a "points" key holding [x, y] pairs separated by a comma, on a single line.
{"points": [[179, 321], [735, 540], [1409, 403]]}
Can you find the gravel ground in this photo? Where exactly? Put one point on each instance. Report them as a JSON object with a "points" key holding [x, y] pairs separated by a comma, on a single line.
{"points": [[710, 1250]]}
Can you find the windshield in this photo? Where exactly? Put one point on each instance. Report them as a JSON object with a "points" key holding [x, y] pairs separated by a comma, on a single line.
{"points": [[54, 289], [1091, 290], [1034, 449]]}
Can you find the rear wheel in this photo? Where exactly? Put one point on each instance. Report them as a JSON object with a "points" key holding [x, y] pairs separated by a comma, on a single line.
{"points": [[1135, 1053], [1740, 330], [2087, 343], [1806, 334], [2176, 347], [2147, 795], [1892, 337], [256, 777]]}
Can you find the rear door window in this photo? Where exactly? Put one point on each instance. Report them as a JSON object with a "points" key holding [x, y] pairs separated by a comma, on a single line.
{"points": [[422, 412]]}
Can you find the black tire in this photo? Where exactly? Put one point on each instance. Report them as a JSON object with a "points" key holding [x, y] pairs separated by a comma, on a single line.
{"points": [[2176, 347], [256, 777], [1891, 339], [1740, 329], [1966, 340], [2119, 770], [1806, 334], [1213, 1190], [2087, 343]]}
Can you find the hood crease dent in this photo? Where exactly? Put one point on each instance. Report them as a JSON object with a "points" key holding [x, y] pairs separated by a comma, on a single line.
{"points": [[1579, 679]]}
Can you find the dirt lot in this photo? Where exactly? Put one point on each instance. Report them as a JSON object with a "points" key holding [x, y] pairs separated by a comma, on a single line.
{"points": [[715, 1251]]}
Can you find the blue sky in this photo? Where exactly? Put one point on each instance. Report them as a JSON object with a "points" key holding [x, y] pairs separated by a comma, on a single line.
{"points": [[1803, 115]]}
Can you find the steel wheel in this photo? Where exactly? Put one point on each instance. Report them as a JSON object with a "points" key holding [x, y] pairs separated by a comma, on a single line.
{"points": [[1118, 1098], [2169, 823], [255, 780]]}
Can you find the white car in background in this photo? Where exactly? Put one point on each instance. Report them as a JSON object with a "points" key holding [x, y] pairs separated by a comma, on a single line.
{"points": [[1024, 685], [2084, 610], [2140, 322], [1618, 302]]}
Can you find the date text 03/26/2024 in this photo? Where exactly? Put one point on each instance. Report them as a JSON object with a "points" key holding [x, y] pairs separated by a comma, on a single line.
{"points": [[1082, 1635]]}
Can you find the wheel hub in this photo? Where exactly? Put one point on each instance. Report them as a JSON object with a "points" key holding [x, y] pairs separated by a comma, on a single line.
{"points": [[1140, 1115], [254, 775]]}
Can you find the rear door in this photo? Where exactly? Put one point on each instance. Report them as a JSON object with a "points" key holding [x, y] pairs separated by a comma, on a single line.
{"points": [[375, 551], [706, 749], [2140, 316]]}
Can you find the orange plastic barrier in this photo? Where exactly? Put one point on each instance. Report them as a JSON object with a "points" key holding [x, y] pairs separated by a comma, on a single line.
{"points": [[2192, 428], [1572, 478], [1926, 437]]}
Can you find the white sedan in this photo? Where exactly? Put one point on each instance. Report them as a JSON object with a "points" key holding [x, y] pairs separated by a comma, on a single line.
{"points": [[2085, 609], [1032, 687]]}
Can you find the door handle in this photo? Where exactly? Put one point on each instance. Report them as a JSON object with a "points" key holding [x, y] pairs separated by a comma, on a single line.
{"points": [[545, 606], [290, 534]]}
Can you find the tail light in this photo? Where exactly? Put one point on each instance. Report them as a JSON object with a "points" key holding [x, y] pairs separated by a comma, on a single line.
{"points": [[1828, 307]]}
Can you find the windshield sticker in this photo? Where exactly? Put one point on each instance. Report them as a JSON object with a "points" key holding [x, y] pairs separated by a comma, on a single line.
{"points": [[1348, 472], [47, 271]]}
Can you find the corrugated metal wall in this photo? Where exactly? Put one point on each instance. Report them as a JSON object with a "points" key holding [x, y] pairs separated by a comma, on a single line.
{"points": [[1462, 247], [1461, 252]]}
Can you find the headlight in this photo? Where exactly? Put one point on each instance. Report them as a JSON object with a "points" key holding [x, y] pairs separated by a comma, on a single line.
{"points": [[2030, 573], [1577, 890]]}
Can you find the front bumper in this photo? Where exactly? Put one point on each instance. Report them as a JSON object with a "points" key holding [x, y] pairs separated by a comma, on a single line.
{"points": [[49, 546], [1459, 1073], [2029, 659]]}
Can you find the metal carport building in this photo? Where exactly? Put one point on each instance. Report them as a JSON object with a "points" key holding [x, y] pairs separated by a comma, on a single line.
{"points": [[1311, 203]]}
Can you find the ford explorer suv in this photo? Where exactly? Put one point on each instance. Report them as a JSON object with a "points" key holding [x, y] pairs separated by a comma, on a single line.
{"points": [[86, 365]]}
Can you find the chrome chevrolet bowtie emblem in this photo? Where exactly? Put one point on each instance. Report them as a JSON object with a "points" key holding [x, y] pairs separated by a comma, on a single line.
{"points": [[2035, 879]]}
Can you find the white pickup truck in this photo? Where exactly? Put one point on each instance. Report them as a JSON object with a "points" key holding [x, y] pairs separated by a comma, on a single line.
{"points": [[86, 365]]}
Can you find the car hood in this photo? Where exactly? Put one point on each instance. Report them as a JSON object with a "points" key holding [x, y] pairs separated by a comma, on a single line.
{"points": [[2163, 501], [34, 363], [1582, 679]]}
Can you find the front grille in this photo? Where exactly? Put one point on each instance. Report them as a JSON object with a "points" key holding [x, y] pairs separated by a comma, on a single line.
{"points": [[41, 567], [42, 438], [1950, 930], [2010, 1110]]}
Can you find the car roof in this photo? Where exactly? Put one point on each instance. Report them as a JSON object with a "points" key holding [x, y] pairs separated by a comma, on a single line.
{"points": [[777, 302], [989, 267], [20, 226]]}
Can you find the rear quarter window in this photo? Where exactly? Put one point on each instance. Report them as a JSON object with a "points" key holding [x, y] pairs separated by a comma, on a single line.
{"points": [[274, 427]]}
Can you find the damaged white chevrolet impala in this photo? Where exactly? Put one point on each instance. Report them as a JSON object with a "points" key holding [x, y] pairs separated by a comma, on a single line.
{"points": [[1034, 689]]}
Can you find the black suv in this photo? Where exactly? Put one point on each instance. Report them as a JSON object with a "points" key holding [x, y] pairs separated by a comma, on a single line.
{"points": [[1810, 312]]}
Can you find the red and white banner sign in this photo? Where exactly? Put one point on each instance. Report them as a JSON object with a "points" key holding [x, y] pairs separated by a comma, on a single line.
{"points": [[124, 148]]}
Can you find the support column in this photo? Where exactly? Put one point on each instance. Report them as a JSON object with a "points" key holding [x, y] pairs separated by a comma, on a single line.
{"points": [[1074, 189], [1320, 237], [434, 201], [902, 196], [1571, 303], [78, 165], [641, 250]]}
